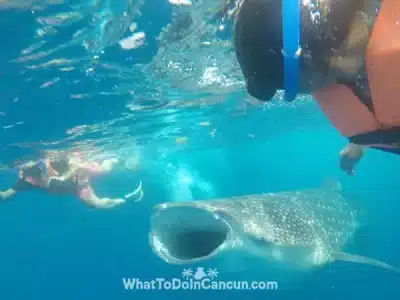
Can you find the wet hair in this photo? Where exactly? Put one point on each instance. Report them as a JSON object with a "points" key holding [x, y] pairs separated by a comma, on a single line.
{"points": [[258, 40], [61, 164], [32, 171]]}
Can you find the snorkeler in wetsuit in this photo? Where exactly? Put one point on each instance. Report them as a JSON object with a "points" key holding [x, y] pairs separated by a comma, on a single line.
{"points": [[61, 176], [346, 54]]}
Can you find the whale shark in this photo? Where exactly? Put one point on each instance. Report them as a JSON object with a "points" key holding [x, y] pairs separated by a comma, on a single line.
{"points": [[302, 229]]}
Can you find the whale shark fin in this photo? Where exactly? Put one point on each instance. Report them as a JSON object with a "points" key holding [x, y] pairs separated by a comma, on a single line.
{"points": [[358, 259]]}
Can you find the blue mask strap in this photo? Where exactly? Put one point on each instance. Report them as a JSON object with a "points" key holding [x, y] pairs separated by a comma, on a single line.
{"points": [[291, 46]]}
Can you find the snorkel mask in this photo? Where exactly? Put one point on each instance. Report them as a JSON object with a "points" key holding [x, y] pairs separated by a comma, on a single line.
{"points": [[291, 47], [287, 44]]}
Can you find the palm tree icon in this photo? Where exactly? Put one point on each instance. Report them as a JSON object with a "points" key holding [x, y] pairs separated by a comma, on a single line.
{"points": [[187, 273], [212, 273]]}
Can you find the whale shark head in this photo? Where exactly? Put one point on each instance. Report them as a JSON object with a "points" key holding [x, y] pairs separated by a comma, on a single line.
{"points": [[295, 229], [183, 233], [300, 230]]}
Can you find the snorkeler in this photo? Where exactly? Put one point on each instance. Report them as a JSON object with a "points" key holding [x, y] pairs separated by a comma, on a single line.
{"points": [[345, 53], [63, 176]]}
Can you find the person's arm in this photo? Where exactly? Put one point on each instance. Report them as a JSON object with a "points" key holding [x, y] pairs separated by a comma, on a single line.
{"points": [[4, 195], [89, 198], [350, 156], [66, 176], [102, 202]]}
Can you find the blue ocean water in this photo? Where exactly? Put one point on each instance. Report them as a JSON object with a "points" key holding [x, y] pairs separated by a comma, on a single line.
{"points": [[56, 248]]}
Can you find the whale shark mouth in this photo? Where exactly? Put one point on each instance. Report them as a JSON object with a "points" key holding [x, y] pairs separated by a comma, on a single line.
{"points": [[182, 234]]}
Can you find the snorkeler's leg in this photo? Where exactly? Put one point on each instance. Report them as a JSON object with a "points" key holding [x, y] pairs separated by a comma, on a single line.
{"points": [[4, 195], [350, 156], [87, 196], [20, 186]]}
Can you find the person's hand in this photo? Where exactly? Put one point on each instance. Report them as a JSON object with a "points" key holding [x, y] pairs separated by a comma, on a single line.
{"points": [[120, 201], [349, 157]]}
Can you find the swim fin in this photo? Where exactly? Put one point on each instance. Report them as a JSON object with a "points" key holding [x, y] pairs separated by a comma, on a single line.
{"points": [[137, 192]]}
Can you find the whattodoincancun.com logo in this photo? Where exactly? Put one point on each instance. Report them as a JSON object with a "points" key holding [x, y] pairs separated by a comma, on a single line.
{"points": [[201, 279]]}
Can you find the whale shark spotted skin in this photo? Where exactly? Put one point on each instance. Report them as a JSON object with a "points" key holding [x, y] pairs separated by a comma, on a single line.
{"points": [[305, 229]]}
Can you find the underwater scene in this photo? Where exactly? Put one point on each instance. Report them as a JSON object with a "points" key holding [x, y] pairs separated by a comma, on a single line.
{"points": [[228, 149]]}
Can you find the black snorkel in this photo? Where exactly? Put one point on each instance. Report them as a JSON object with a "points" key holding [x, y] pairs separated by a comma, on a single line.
{"points": [[291, 47], [289, 44]]}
